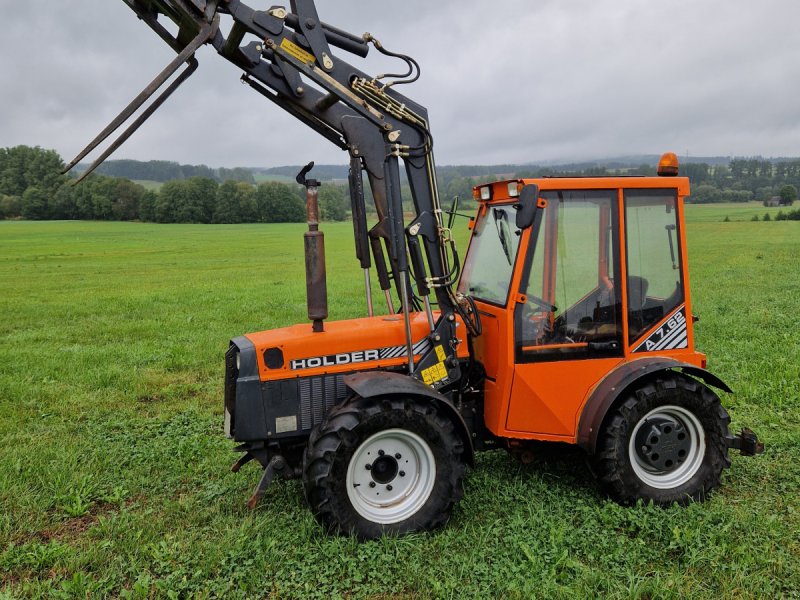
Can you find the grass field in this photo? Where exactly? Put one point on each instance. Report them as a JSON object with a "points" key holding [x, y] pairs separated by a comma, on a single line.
{"points": [[114, 473]]}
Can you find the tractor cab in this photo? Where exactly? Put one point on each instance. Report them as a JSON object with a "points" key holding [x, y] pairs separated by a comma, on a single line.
{"points": [[596, 281]]}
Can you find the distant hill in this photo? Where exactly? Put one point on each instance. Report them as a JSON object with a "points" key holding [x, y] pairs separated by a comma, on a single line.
{"points": [[161, 171]]}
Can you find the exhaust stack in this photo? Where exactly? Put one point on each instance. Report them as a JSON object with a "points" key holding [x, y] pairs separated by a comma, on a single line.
{"points": [[314, 242]]}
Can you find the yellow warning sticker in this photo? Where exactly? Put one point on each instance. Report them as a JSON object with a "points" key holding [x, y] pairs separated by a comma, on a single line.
{"points": [[440, 353], [296, 51], [435, 373]]}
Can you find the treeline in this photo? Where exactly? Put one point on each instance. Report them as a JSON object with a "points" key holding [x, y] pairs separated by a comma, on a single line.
{"points": [[163, 171], [744, 179], [31, 187]]}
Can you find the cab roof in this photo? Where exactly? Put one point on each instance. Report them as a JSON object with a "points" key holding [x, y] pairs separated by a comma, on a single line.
{"points": [[502, 190]]}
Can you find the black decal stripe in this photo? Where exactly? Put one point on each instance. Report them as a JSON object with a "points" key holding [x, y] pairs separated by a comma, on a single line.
{"points": [[419, 346]]}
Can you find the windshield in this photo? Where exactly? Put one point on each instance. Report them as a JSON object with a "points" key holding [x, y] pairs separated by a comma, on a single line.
{"points": [[492, 252]]}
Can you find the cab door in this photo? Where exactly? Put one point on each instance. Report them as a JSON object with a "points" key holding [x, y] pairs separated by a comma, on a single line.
{"points": [[568, 330]]}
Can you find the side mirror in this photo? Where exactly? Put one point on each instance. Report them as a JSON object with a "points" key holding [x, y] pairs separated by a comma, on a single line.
{"points": [[526, 209], [453, 212]]}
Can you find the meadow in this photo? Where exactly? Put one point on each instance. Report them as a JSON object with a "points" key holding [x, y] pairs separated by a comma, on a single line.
{"points": [[114, 472]]}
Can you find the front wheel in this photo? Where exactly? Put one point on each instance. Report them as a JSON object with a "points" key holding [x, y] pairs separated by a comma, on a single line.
{"points": [[664, 443], [381, 466]]}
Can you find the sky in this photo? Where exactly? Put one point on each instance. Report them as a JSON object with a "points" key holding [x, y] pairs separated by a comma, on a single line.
{"points": [[510, 81]]}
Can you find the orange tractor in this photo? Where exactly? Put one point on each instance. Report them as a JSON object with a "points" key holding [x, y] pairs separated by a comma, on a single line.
{"points": [[568, 320]]}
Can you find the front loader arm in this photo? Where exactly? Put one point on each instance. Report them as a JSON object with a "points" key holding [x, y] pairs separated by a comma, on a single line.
{"points": [[287, 56]]}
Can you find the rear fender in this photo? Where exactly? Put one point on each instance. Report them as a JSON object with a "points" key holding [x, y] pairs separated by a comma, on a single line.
{"points": [[620, 379], [372, 384]]}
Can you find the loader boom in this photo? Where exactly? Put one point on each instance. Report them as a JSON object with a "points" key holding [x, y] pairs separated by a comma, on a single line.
{"points": [[287, 57]]}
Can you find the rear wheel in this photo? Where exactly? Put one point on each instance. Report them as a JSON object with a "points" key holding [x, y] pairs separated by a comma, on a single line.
{"points": [[381, 466], [664, 443]]}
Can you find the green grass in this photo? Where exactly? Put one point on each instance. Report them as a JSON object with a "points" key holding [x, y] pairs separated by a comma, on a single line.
{"points": [[738, 211], [114, 473]]}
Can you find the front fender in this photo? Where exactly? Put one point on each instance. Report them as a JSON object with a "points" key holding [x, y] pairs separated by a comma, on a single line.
{"points": [[372, 384], [606, 393]]}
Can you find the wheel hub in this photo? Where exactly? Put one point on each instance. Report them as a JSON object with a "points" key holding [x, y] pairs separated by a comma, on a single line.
{"points": [[384, 469], [662, 443]]}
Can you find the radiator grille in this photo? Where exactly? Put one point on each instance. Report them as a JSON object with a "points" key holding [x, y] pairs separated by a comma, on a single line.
{"points": [[231, 374], [317, 396]]}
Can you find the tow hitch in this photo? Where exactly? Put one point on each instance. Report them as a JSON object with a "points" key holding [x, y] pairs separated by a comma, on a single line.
{"points": [[746, 442]]}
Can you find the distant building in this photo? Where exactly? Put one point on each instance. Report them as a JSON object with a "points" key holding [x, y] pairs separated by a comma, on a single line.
{"points": [[774, 201]]}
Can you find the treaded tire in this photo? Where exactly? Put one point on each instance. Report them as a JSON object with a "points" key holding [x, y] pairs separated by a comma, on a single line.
{"points": [[617, 469], [334, 442]]}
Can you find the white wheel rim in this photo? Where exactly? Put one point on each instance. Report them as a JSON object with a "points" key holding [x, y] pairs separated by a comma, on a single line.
{"points": [[376, 493], [686, 467]]}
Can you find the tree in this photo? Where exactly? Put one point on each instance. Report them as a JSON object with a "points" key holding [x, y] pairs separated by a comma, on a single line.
{"points": [[704, 194], [102, 191], [788, 194], [9, 207], [696, 172], [237, 174], [333, 203], [22, 167], [62, 204], [170, 201], [125, 204], [236, 203], [203, 196], [82, 199], [147, 205], [34, 204], [277, 203], [189, 201]]}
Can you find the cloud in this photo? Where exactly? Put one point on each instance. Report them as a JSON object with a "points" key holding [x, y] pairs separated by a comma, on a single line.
{"points": [[510, 81]]}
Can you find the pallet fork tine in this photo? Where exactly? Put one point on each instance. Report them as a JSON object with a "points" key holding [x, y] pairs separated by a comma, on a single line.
{"points": [[185, 56]]}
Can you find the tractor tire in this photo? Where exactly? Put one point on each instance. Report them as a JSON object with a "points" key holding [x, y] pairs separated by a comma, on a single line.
{"points": [[383, 466], [665, 443]]}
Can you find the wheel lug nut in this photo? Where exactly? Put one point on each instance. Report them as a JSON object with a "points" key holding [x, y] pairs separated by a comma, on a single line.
{"points": [[381, 453], [389, 488], [397, 456], [402, 473], [368, 467], [371, 484]]}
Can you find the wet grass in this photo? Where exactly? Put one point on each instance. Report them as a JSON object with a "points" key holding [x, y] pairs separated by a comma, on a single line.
{"points": [[114, 472]]}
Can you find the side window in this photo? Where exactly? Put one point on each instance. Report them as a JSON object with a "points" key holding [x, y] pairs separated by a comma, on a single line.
{"points": [[572, 307], [655, 287]]}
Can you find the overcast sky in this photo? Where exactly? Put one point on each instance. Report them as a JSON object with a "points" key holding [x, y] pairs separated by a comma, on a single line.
{"points": [[509, 81]]}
